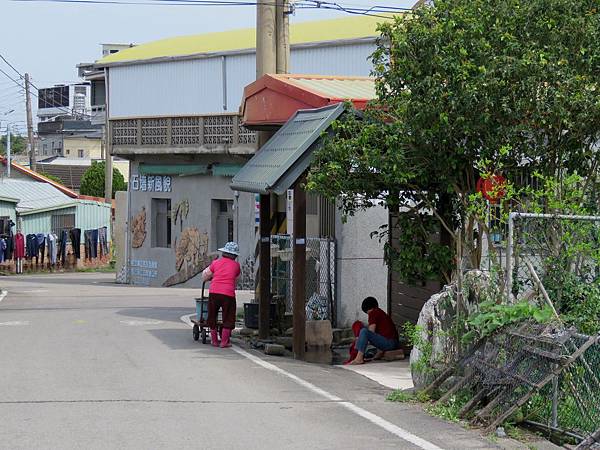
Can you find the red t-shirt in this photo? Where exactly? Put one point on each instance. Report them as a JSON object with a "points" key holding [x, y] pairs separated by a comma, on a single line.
{"points": [[384, 325], [225, 271]]}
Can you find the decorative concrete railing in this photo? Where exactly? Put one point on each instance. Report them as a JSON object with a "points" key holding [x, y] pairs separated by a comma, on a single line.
{"points": [[222, 130]]}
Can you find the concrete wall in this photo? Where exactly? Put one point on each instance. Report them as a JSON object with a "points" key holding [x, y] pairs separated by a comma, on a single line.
{"points": [[50, 145], [361, 271], [151, 265], [122, 166], [92, 148]]}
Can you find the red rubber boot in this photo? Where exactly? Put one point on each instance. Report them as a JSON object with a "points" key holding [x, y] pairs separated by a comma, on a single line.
{"points": [[225, 335], [214, 338]]}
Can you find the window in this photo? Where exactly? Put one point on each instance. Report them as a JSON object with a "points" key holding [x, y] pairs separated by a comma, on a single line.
{"points": [[68, 152], [62, 222], [224, 206], [80, 153], [161, 222], [98, 93], [54, 97], [222, 223]]}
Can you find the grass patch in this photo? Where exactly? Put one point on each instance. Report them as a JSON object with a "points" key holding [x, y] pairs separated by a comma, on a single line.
{"points": [[401, 397], [449, 410]]}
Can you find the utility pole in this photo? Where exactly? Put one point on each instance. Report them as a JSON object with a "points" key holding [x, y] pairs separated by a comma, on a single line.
{"points": [[8, 160], [31, 143], [107, 138], [272, 56], [266, 62], [283, 36], [108, 174]]}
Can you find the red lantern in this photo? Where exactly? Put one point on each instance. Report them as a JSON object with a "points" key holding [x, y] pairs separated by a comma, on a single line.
{"points": [[492, 188]]}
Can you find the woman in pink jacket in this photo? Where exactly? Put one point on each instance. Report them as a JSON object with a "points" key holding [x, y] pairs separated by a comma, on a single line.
{"points": [[222, 273]]}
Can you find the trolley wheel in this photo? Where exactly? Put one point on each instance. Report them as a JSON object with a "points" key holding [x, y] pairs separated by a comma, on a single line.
{"points": [[204, 334], [196, 332]]}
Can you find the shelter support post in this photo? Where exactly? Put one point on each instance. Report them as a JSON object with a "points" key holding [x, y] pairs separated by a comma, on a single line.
{"points": [[264, 267], [299, 273]]}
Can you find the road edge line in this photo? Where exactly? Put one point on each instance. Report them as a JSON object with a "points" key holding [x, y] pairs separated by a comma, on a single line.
{"points": [[3, 294], [373, 418]]}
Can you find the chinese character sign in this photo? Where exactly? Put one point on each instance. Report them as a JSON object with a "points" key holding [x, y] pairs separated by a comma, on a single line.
{"points": [[151, 183], [167, 184]]}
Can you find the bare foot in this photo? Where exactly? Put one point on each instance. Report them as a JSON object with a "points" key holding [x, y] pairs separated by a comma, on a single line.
{"points": [[356, 362], [378, 355]]}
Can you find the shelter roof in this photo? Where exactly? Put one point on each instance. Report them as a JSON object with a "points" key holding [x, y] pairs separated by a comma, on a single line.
{"points": [[348, 28], [288, 154], [273, 99]]}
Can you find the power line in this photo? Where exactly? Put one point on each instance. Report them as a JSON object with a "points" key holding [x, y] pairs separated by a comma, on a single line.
{"points": [[10, 65], [12, 79], [304, 4], [60, 108]]}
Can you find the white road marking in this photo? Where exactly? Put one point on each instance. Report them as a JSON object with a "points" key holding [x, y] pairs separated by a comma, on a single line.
{"points": [[373, 418], [3, 293], [35, 291], [14, 323], [138, 323]]}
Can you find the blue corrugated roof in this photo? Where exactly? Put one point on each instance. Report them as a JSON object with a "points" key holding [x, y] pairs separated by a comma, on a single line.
{"points": [[287, 155], [34, 196]]}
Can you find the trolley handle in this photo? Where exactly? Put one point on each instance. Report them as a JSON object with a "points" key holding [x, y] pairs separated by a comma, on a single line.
{"points": [[203, 285]]}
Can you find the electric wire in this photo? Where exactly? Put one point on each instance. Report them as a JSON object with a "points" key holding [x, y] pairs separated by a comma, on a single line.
{"points": [[60, 108], [303, 4]]}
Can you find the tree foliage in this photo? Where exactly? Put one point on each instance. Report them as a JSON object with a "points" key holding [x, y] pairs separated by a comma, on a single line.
{"points": [[92, 181], [18, 144], [52, 177], [468, 88]]}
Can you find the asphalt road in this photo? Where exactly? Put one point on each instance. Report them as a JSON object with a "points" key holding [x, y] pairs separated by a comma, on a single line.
{"points": [[87, 364]]}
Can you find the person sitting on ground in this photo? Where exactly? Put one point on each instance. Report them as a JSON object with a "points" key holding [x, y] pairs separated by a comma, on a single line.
{"points": [[222, 274], [381, 333]]}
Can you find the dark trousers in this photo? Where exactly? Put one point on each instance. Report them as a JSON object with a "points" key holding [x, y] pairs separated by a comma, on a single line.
{"points": [[76, 242], [216, 302], [62, 247], [94, 243]]}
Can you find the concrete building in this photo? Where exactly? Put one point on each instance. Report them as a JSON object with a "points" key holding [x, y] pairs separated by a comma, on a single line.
{"points": [[64, 136], [173, 107], [83, 146], [64, 99]]}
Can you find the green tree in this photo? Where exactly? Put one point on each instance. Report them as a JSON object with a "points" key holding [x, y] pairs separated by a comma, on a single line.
{"points": [[18, 144], [92, 181], [468, 88]]}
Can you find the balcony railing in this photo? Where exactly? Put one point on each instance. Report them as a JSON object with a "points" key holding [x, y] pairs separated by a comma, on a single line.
{"points": [[210, 131]]}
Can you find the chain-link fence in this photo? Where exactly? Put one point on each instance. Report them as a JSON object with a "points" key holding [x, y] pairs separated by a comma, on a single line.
{"points": [[562, 250], [570, 404], [546, 374], [320, 275]]}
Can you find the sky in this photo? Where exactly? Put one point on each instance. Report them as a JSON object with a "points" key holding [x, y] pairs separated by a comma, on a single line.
{"points": [[48, 39]]}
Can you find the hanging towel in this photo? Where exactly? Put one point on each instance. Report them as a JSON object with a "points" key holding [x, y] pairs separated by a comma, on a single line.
{"points": [[19, 245]]}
